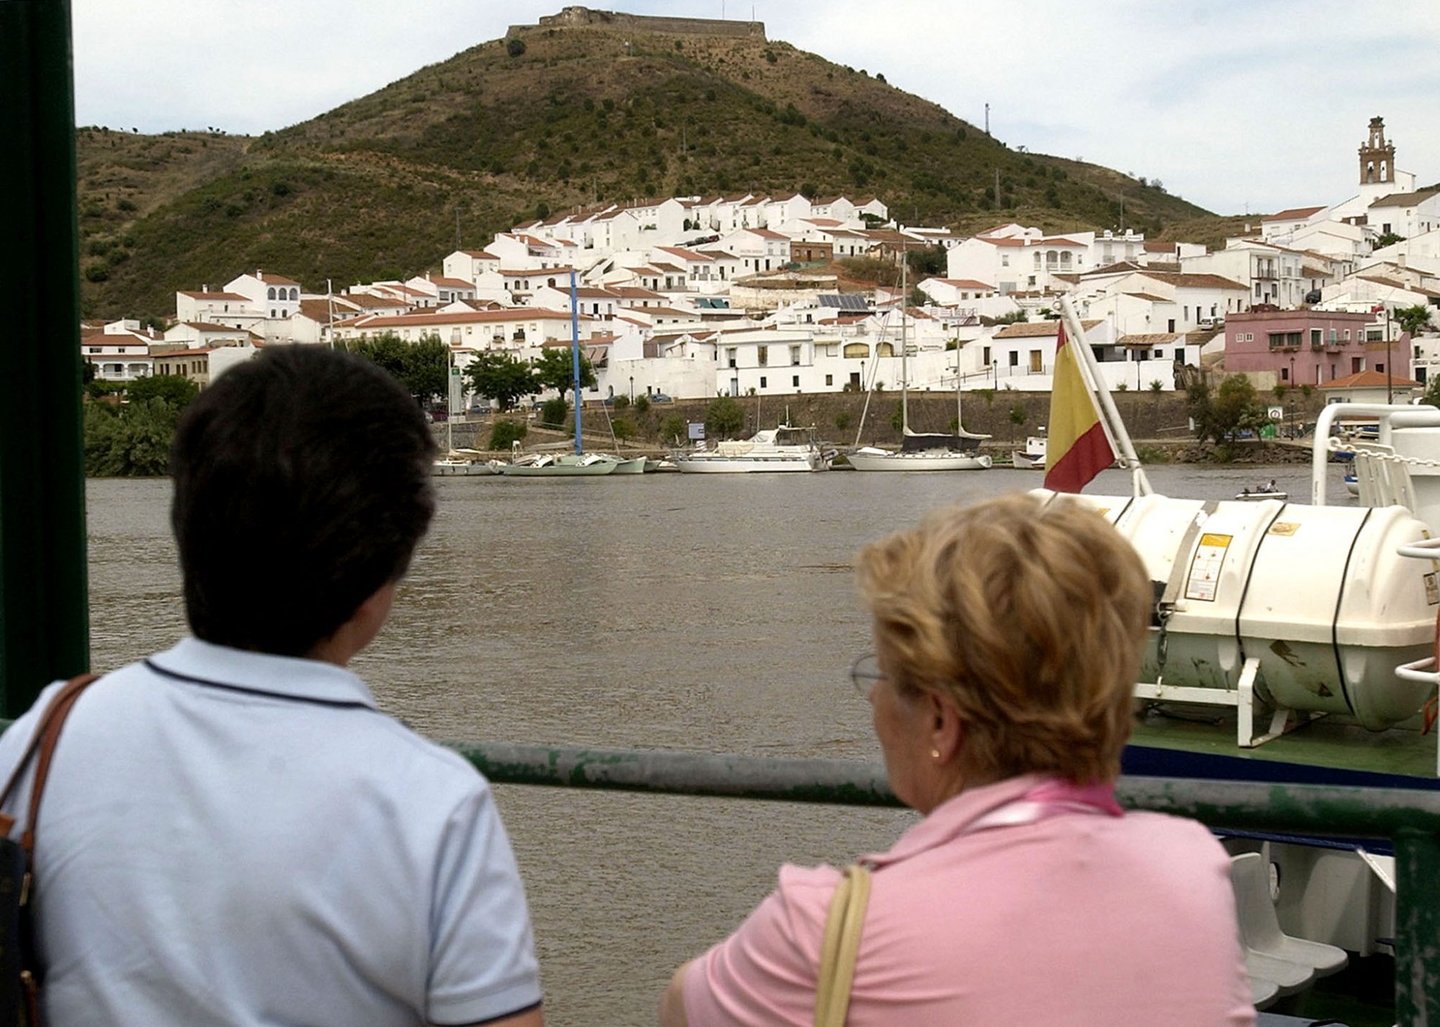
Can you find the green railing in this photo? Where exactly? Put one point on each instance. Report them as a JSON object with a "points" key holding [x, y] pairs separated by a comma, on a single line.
{"points": [[1410, 818]]}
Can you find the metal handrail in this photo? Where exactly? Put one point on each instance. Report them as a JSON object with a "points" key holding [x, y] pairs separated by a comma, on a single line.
{"points": [[1410, 817]]}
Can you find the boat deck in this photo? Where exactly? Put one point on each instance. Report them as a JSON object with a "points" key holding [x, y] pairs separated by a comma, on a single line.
{"points": [[1194, 741]]}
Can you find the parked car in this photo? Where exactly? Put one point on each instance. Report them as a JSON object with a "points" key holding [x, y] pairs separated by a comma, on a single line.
{"points": [[659, 397]]}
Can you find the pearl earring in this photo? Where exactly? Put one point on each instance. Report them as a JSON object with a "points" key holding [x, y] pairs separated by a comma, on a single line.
{"points": [[934, 754]]}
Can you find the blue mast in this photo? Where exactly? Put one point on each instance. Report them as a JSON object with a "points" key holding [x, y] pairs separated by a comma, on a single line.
{"points": [[575, 357]]}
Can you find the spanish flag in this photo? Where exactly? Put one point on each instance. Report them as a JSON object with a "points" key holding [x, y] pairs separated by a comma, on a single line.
{"points": [[1078, 448]]}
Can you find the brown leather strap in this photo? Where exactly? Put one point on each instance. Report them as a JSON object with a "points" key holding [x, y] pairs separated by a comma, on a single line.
{"points": [[43, 742]]}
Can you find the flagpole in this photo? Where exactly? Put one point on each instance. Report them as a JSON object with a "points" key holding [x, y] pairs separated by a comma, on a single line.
{"points": [[1110, 420]]}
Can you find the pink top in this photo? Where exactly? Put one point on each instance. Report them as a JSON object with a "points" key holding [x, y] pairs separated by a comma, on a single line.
{"points": [[1025, 901]]}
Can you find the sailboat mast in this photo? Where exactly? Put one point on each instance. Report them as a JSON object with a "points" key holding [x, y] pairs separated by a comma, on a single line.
{"points": [[575, 357], [904, 351], [959, 419]]}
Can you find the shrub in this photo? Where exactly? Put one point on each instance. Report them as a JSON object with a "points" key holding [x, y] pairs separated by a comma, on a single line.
{"points": [[514, 47], [673, 428], [506, 432], [622, 402], [623, 428], [642, 405], [553, 411]]}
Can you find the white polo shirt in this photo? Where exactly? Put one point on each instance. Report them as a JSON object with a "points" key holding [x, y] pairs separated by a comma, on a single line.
{"points": [[236, 838]]}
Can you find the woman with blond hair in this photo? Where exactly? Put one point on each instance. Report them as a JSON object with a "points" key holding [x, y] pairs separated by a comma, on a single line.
{"points": [[1007, 641]]}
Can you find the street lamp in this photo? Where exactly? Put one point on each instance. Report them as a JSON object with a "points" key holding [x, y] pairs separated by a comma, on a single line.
{"points": [[632, 388]]}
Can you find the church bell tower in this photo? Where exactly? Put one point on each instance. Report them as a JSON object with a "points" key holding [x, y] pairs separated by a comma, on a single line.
{"points": [[1377, 157]]}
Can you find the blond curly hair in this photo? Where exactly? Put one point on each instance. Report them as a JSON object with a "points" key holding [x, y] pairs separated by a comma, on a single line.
{"points": [[1030, 617]]}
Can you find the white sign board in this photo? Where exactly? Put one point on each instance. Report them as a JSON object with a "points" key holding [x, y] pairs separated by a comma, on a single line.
{"points": [[696, 431], [457, 391]]}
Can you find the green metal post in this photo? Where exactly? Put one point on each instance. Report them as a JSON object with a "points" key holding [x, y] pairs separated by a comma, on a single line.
{"points": [[43, 620], [1417, 928]]}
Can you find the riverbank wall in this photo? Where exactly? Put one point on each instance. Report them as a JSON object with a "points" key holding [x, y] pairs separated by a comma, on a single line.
{"points": [[1158, 423]]}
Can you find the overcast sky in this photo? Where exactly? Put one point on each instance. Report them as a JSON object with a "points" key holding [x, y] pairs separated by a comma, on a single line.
{"points": [[1240, 106]]}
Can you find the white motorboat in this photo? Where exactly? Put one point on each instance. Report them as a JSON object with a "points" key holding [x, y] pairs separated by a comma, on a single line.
{"points": [[1267, 491], [1032, 457], [784, 448]]}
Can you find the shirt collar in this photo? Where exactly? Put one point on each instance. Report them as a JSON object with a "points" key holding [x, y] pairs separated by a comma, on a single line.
{"points": [[954, 817], [289, 677]]}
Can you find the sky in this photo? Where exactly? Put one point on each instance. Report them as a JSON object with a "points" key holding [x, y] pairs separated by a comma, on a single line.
{"points": [[1240, 106]]}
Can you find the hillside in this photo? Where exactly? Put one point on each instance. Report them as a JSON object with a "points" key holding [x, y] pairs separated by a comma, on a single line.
{"points": [[554, 117]]}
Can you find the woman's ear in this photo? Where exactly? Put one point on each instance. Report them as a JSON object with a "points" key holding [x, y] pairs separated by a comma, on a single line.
{"points": [[947, 730]]}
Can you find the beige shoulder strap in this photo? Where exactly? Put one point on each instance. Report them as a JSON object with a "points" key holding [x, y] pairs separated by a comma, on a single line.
{"points": [[840, 946]]}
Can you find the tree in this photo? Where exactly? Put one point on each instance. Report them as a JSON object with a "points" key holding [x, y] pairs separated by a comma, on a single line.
{"points": [[1388, 239], [427, 369], [723, 418], [133, 440], [554, 369], [1413, 319], [499, 376], [1234, 407], [171, 389], [421, 367]]}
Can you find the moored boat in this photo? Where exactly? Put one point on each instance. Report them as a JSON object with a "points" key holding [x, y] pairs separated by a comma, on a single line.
{"points": [[783, 448], [1032, 457], [558, 465]]}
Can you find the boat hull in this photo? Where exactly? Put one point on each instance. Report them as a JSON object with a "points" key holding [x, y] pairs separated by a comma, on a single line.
{"points": [[931, 460], [460, 468], [1027, 461], [564, 467], [716, 464]]}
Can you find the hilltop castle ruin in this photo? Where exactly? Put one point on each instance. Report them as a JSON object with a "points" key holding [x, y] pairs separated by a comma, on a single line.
{"points": [[572, 17]]}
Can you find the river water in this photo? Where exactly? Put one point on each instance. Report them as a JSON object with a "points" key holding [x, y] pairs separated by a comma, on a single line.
{"points": [[704, 612]]}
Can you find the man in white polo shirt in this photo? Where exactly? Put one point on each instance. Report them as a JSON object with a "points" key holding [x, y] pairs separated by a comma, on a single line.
{"points": [[232, 832]]}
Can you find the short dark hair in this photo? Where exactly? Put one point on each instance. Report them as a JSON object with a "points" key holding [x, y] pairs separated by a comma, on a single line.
{"points": [[302, 485]]}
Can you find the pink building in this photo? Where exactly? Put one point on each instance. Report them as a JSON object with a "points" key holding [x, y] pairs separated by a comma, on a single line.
{"points": [[1300, 347]]}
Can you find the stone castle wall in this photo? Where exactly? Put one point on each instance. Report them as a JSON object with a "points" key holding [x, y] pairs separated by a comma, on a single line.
{"points": [[571, 17]]}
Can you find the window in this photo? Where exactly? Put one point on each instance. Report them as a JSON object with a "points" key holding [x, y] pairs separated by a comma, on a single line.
{"points": [[1284, 374], [1317, 336], [762, 355], [1014, 358], [762, 381], [1171, 323], [795, 380], [270, 293], [1004, 260], [794, 356], [829, 380], [985, 356], [1036, 364], [730, 355]]}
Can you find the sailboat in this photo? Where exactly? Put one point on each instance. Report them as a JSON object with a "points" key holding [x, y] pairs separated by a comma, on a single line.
{"points": [[457, 462], [929, 451], [567, 465]]}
